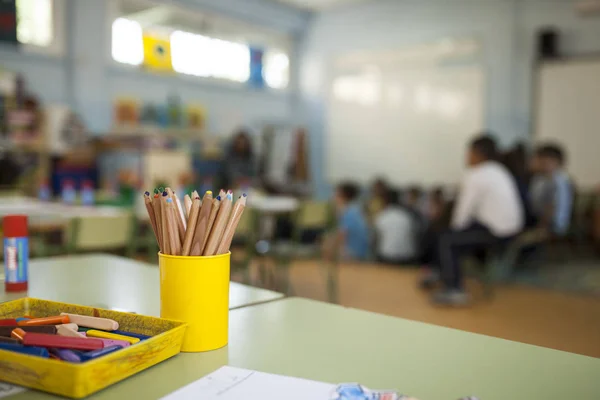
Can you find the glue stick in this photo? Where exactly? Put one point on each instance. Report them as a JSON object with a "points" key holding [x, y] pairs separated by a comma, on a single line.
{"points": [[16, 252]]}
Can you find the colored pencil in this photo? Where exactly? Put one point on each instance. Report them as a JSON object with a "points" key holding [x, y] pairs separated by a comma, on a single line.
{"points": [[189, 233], [234, 220], [216, 233], [151, 215], [174, 242], [211, 220], [158, 219], [187, 204], [165, 228], [178, 221], [202, 224], [180, 213]]}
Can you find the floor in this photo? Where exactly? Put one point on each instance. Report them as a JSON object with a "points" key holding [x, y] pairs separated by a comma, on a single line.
{"points": [[542, 317]]}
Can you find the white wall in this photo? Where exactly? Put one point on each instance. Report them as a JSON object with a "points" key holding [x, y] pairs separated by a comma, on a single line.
{"points": [[506, 29]]}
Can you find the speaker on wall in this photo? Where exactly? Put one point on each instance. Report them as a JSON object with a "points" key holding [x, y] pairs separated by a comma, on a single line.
{"points": [[547, 44]]}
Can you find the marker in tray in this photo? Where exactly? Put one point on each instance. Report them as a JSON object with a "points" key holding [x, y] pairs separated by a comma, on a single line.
{"points": [[93, 333], [61, 342], [110, 342], [131, 334], [32, 351], [66, 355], [104, 324], [63, 330], [59, 319], [8, 340], [9, 321], [89, 355], [48, 329]]}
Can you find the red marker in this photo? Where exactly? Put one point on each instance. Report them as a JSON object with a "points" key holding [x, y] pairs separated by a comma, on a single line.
{"points": [[6, 322], [62, 342]]}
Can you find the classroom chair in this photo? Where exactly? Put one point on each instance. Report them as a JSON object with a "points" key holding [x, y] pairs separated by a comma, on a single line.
{"points": [[100, 233], [311, 216], [243, 247]]}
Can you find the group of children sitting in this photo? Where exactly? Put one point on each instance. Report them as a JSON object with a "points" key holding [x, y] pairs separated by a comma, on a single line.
{"points": [[390, 226], [500, 197]]}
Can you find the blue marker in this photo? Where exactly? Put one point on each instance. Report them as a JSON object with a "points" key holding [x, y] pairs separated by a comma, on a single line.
{"points": [[21, 319], [89, 355], [32, 351], [131, 334]]}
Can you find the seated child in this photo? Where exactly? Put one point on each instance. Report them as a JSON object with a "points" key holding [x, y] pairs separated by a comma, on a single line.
{"points": [[351, 239], [375, 200], [397, 233]]}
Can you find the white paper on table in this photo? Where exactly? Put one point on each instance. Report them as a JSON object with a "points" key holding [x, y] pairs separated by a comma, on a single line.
{"points": [[229, 383], [6, 389]]}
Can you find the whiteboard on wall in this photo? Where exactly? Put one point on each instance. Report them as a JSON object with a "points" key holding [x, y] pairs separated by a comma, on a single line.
{"points": [[406, 116], [568, 112]]}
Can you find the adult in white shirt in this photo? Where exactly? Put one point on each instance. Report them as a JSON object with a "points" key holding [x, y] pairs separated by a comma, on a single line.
{"points": [[488, 213], [396, 232]]}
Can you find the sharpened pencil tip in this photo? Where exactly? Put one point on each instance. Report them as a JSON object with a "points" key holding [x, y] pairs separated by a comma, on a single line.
{"points": [[147, 193], [229, 196], [230, 191], [244, 195], [165, 194], [209, 192], [219, 198], [169, 200]]}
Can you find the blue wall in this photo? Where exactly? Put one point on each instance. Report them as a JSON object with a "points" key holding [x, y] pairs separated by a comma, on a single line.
{"points": [[505, 28], [86, 78]]}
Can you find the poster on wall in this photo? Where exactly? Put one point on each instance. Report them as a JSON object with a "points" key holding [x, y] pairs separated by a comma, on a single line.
{"points": [[157, 53], [256, 68], [8, 21]]}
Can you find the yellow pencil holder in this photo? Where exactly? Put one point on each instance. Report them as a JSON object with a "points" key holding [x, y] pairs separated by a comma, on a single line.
{"points": [[196, 290]]}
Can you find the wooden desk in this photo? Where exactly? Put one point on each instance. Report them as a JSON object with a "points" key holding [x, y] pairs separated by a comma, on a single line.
{"points": [[106, 281], [330, 343]]}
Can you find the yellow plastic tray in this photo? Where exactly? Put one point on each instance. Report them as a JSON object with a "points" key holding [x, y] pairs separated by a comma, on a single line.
{"points": [[80, 380]]}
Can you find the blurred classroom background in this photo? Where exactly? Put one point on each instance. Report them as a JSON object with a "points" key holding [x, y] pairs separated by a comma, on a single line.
{"points": [[337, 117]]}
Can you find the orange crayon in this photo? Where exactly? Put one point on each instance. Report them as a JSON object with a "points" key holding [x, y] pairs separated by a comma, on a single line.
{"points": [[56, 320], [18, 334]]}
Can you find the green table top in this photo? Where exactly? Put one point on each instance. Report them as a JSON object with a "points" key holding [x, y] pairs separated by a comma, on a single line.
{"points": [[117, 283], [319, 341]]}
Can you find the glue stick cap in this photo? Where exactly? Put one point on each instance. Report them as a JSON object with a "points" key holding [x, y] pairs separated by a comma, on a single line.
{"points": [[15, 226]]}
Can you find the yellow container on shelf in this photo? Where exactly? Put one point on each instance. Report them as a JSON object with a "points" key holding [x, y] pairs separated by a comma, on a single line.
{"points": [[196, 290], [81, 380]]}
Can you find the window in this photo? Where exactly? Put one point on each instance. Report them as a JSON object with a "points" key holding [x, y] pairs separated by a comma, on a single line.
{"points": [[127, 42], [200, 55], [276, 69], [35, 22]]}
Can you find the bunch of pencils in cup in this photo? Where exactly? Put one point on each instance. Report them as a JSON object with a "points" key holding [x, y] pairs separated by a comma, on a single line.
{"points": [[201, 227]]}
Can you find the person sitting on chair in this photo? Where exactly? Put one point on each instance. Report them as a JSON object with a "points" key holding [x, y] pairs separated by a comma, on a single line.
{"points": [[488, 212], [396, 233], [554, 203], [350, 241]]}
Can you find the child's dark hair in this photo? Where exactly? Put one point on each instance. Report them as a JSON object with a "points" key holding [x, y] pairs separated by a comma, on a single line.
{"points": [[485, 145], [348, 190], [553, 151], [415, 191], [391, 196]]}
